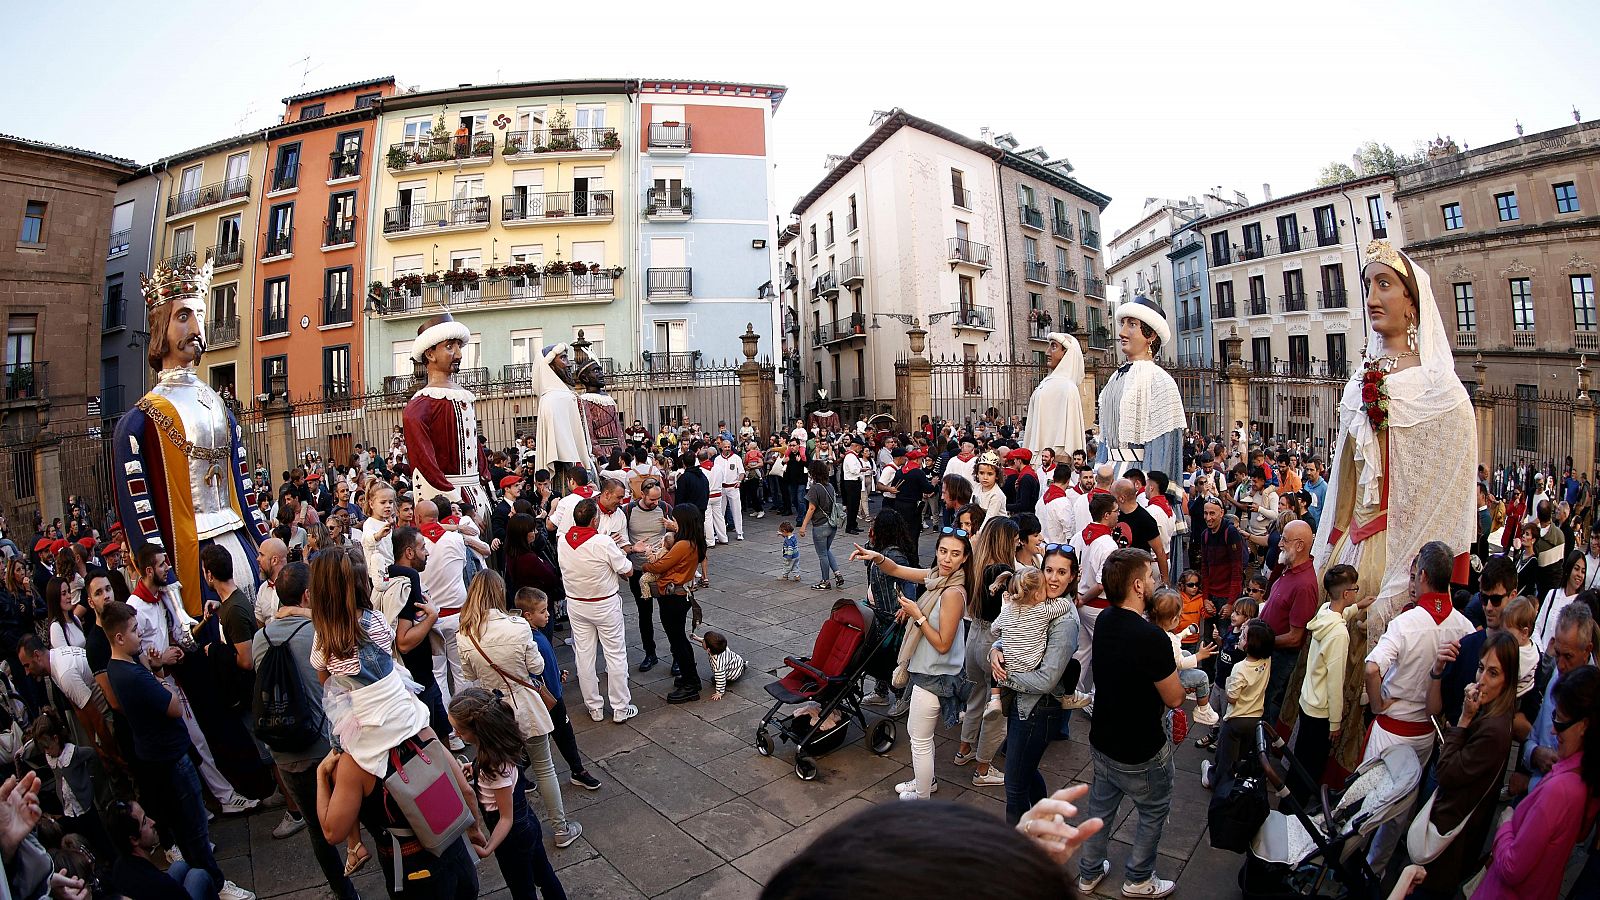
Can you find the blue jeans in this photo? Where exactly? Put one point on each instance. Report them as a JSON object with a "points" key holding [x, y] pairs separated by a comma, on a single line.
{"points": [[1195, 682], [193, 837], [1026, 741], [1283, 660], [521, 855], [797, 500], [822, 541], [1149, 786], [195, 882]]}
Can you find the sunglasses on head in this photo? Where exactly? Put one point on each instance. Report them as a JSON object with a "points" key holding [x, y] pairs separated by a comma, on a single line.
{"points": [[1063, 548], [950, 529]]}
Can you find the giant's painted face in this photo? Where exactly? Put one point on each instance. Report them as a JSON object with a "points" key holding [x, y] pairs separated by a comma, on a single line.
{"points": [[185, 333]]}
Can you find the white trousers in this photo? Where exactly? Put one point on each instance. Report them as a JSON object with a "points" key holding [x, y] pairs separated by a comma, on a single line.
{"points": [[716, 528], [219, 786], [1085, 655], [599, 623], [731, 502], [446, 657], [921, 722]]}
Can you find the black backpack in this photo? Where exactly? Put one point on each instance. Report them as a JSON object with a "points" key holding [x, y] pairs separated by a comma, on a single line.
{"points": [[286, 720]]}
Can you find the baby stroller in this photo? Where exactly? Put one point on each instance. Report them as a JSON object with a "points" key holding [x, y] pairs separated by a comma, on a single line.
{"points": [[1321, 852], [826, 686]]}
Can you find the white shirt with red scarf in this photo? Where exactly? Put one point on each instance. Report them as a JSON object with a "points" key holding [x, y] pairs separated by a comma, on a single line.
{"points": [[1056, 523], [444, 578], [561, 517], [590, 564]]}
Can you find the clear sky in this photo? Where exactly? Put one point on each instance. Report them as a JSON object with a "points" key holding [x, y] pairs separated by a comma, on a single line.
{"points": [[1145, 99]]}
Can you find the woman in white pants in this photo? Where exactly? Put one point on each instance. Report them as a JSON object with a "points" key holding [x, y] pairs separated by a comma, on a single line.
{"points": [[934, 649]]}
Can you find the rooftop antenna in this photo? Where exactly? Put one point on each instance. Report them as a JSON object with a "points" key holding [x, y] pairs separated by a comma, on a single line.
{"points": [[1519, 128], [239, 123], [1575, 116], [306, 68]]}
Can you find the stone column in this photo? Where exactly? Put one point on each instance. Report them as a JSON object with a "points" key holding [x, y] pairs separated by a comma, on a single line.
{"points": [[1483, 414], [1583, 415], [280, 434], [751, 393], [47, 480], [1233, 398], [918, 390]]}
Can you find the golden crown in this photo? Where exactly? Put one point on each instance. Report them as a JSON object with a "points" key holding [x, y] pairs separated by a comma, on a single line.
{"points": [[178, 278], [1384, 252]]}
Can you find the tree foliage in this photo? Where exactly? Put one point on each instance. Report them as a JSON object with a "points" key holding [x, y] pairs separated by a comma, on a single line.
{"points": [[1374, 158]]}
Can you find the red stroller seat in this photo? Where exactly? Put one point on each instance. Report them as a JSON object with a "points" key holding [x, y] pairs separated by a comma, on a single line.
{"points": [[829, 663]]}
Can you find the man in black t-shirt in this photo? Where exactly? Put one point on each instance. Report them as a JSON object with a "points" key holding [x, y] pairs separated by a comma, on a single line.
{"points": [[1136, 682], [416, 622], [1137, 524]]}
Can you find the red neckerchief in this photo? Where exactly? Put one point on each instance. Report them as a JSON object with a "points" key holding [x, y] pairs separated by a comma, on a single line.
{"points": [[143, 593], [1053, 492], [965, 457], [584, 490], [451, 520], [1081, 488], [577, 534], [707, 463], [1094, 531], [1161, 501], [433, 531], [1437, 605]]}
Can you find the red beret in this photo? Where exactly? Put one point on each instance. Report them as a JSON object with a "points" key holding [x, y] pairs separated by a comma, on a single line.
{"points": [[60, 545], [115, 527], [87, 542], [314, 476], [1022, 453], [509, 480], [916, 454], [42, 545], [113, 547]]}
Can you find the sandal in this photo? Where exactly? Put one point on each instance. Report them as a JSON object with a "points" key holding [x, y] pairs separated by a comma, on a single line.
{"points": [[356, 860]]}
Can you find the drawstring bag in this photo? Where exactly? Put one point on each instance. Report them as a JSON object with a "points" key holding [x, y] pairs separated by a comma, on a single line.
{"points": [[424, 791]]}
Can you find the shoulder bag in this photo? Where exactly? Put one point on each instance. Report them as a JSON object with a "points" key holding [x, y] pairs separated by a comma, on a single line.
{"points": [[544, 693], [1424, 842]]}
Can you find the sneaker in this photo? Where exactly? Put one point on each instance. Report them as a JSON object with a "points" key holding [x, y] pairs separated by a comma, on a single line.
{"points": [[624, 714], [838, 579], [876, 698], [964, 758], [910, 787], [762, 514], [911, 795], [991, 710], [992, 778], [457, 743], [231, 891], [1204, 714], [900, 707], [585, 780], [236, 804], [290, 826], [738, 537], [565, 836], [1205, 774], [1077, 700], [821, 585], [598, 715], [1150, 887], [1087, 885]]}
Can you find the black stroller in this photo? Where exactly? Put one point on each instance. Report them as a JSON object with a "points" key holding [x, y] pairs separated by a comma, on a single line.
{"points": [[827, 686]]}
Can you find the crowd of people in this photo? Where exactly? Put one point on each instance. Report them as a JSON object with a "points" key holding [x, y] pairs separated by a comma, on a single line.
{"points": [[397, 620]]}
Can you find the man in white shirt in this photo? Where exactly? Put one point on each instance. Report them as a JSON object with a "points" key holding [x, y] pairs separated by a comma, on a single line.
{"points": [[1045, 472], [611, 521], [1591, 570], [67, 668], [716, 470], [578, 488], [732, 468], [853, 473], [1057, 505], [444, 584], [1096, 543], [965, 462], [271, 557], [1078, 500], [590, 565]]}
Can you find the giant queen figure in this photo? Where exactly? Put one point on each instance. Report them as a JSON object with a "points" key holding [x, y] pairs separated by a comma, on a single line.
{"points": [[183, 480], [440, 423]]}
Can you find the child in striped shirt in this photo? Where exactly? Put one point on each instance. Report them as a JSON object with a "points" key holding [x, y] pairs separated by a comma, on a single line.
{"points": [[726, 665], [1023, 625]]}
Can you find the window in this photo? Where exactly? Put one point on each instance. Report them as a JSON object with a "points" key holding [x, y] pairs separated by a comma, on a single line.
{"points": [[33, 222], [1466, 307], [1583, 302], [1288, 233], [1336, 356], [275, 308], [1030, 249], [590, 115], [1261, 354], [341, 219], [1061, 260], [228, 240], [811, 245], [965, 288], [596, 336], [526, 343], [336, 371], [528, 254], [223, 311], [365, 100], [1258, 287], [1375, 215], [1522, 304], [1225, 308], [1333, 286], [1452, 216], [183, 241], [1327, 226], [592, 252], [1252, 240], [403, 366], [275, 365], [1506, 205], [1219, 249], [462, 260], [1566, 197], [667, 187], [407, 265], [236, 174], [121, 228], [336, 296], [312, 111], [1299, 354], [22, 475], [113, 316], [280, 230], [1294, 290], [19, 340], [286, 174], [850, 222], [1528, 417], [827, 233], [958, 189]]}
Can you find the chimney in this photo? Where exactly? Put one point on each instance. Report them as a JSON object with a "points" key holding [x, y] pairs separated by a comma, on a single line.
{"points": [[1266, 193], [983, 134]]}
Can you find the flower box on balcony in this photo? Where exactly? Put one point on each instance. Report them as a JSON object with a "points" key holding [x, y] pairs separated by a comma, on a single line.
{"points": [[672, 124], [611, 141]]}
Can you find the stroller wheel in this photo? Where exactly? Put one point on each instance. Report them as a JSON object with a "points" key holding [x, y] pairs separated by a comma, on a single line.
{"points": [[763, 742], [882, 737], [805, 767]]}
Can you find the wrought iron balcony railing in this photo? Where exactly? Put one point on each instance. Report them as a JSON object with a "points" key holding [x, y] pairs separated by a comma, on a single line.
{"points": [[285, 177], [669, 137], [439, 214], [1334, 299], [974, 317], [1066, 279], [669, 202], [344, 164], [852, 271], [1031, 217], [1061, 228], [222, 332], [119, 242], [444, 148], [209, 195], [1259, 306], [972, 252], [1294, 301], [339, 231], [557, 205], [1035, 270], [669, 282], [562, 140], [24, 381], [1091, 238], [278, 244], [1095, 287]]}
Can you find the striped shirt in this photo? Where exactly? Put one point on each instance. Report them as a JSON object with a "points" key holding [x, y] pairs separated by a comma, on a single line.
{"points": [[726, 667]]}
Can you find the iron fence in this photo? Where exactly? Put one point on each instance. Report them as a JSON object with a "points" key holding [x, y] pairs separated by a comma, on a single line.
{"points": [[1530, 427]]}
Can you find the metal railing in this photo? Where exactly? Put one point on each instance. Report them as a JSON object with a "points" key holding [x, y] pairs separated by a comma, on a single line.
{"points": [[209, 195], [1040, 329], [1252, 251], [24, 381], [285, 177], [853, 325], [669, 137], [279, 244], [962, 250], [439, 214], [1225, 309], [1327, 238], [339, 232], [1189, 283], [827, 284], [336, 310], [850, 222], [112, 402], [496, 292], [444, 148], [1294, 301], [1067, 279], [1221, 257], [1289, 243], [974, 317], [222, 332], [559, 204], [119, 242], [1061, 228], [669, 282], [271, 324], [667, 202], [1091, 238], [562, 140], [960, 196], [1334, 299], [811, 247], [1031, 217], [827, 236], [1095, 287], [671, 363], [853, 270], [224, 255], [344, 164], [1260, 306], [1035, 270], [115, 313]]}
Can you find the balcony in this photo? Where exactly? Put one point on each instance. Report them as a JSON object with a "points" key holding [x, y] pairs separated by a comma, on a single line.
{"points": [[1039, 329], [339, 233], [822, 334], [1251, 251], [222, 332], [1585, 341], [1031, 217], [1034, 270], [343, 165], [1293, 302], [853, 272], [1091, 238], [335, 310], [285, 178], [978, 317], [850, 222], [669, 284], [960, 196], [851, 326], [1334, 299], [811, 248], [400, 384], [226, 256], [1290, 243], [1260, 306], [667, 205], [1327, 237], [119, 242], [972, 253], [24, 382], [1225, 309], [1221, 257], [1099, 337], [115, 313], [826, 286], [1067, 279], [112, 401], [444, 152], [471, 214], [1466, 340], [835, 386], [494, 293], [671, 366], [1061, 228], [1095, 287], [473, 378], [276, 246], [274, 326], [1189, 283], [1524, 338], [556, 208], [562, 143], [223, 193], [669, 139]]}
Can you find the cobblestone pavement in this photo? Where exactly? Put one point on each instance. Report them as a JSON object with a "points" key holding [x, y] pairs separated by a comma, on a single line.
{"points": [[688, 809]]}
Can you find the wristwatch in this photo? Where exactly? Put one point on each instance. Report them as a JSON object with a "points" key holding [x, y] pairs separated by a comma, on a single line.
{"points": [[921, 622]]}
